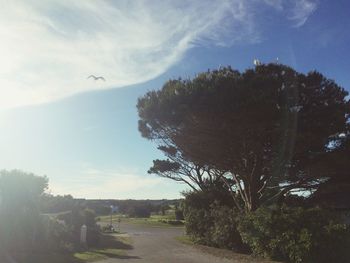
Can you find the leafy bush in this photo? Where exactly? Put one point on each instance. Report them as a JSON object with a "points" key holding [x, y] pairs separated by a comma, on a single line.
{"points": [[198, 223], [19, 214], [224, 233], [215, 227], [76, 219], [55, 235], [296, 235], [211, 222]]}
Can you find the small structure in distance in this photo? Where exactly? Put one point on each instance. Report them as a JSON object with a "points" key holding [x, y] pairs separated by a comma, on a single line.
{"points": [[257, 62]]}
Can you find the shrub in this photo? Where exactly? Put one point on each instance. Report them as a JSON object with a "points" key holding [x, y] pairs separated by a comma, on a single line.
{"points": [[211, 221], [198, 222], [55, 235], [78, 217], [214, 227], [224, 233], [19, 231], [296, 235]]}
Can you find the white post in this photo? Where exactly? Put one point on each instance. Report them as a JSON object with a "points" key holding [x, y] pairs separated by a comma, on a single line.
{"points": [[83, 233]]}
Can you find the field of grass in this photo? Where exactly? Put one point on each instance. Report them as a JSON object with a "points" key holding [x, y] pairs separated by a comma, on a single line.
{"points": [[153, 220]]}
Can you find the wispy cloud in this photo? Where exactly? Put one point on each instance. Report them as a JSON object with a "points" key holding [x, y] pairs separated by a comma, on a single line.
{"points": [[302, 11], [48, 48], [277, 4], [102, 184]]}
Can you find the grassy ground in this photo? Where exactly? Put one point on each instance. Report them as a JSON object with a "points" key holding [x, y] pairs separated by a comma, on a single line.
{"points": [[153, 220], [110, 246], [185, 240]]}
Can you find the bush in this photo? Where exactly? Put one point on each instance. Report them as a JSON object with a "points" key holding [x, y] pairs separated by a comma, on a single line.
{"points": [[210, 222], [28, 234], [224, 233], [78, 217], [55, 235], [296, 235], [216, 227], [19, 214], [198, 221]]}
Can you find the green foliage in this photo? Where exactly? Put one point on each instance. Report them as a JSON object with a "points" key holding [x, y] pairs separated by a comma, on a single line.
{"points": [[267, 126], [20, 191], [139, 211], [296, 235], [224, 231], [198, 223], [20, 220], [78, 217], [138, 208], [56, 204], [55, 235], [209, 221], [215, 227]]}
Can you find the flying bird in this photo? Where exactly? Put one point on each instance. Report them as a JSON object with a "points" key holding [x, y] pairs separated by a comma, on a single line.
{"points": [[96, 78]]}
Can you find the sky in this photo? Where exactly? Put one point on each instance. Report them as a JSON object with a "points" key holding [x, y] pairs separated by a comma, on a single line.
{"points": [[82, 134]]}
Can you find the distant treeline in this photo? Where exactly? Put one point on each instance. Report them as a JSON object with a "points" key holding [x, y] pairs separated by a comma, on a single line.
{"points": [[50, 204]]}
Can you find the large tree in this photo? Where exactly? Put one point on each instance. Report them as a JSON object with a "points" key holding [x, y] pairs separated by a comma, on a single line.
{"points": [[262, 131], [20, 191], [20, 222], [335, 191]]}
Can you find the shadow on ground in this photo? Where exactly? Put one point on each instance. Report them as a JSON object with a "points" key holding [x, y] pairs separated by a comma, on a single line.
{"points": [[110, 242], [113, 241], [110, 246], [41, 258]]}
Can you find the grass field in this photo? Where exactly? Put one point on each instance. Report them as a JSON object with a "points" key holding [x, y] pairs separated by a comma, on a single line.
{"points": [[153, 220]]}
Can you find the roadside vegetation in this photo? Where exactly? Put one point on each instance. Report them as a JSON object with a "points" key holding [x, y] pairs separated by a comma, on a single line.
{"points": [[154, 220], [265, 153], [165, 216], [28, 233]]}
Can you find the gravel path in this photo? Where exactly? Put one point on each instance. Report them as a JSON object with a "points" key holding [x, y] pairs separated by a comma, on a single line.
{"points": [[158, 245]]}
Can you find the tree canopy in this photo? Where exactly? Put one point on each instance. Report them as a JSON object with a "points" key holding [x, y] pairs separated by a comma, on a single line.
{"points": [[263, 131], [20, 190]]}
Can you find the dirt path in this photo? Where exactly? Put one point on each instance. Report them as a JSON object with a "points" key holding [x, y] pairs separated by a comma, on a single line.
{"points": [[158, 245]]}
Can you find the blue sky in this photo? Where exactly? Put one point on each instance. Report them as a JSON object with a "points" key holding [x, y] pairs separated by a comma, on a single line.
{"points": [[83, 134]]}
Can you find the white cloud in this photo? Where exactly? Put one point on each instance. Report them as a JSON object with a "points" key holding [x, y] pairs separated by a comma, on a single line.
{"points": [[277, 4], [48, 48], [302, 11], [102, 184]]}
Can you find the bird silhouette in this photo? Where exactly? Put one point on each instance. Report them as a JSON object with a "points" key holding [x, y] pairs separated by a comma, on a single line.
{"points": [[96, 78]]}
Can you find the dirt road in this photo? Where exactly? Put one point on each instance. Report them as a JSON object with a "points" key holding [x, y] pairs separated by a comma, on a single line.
{"points": [[158, 245]]}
